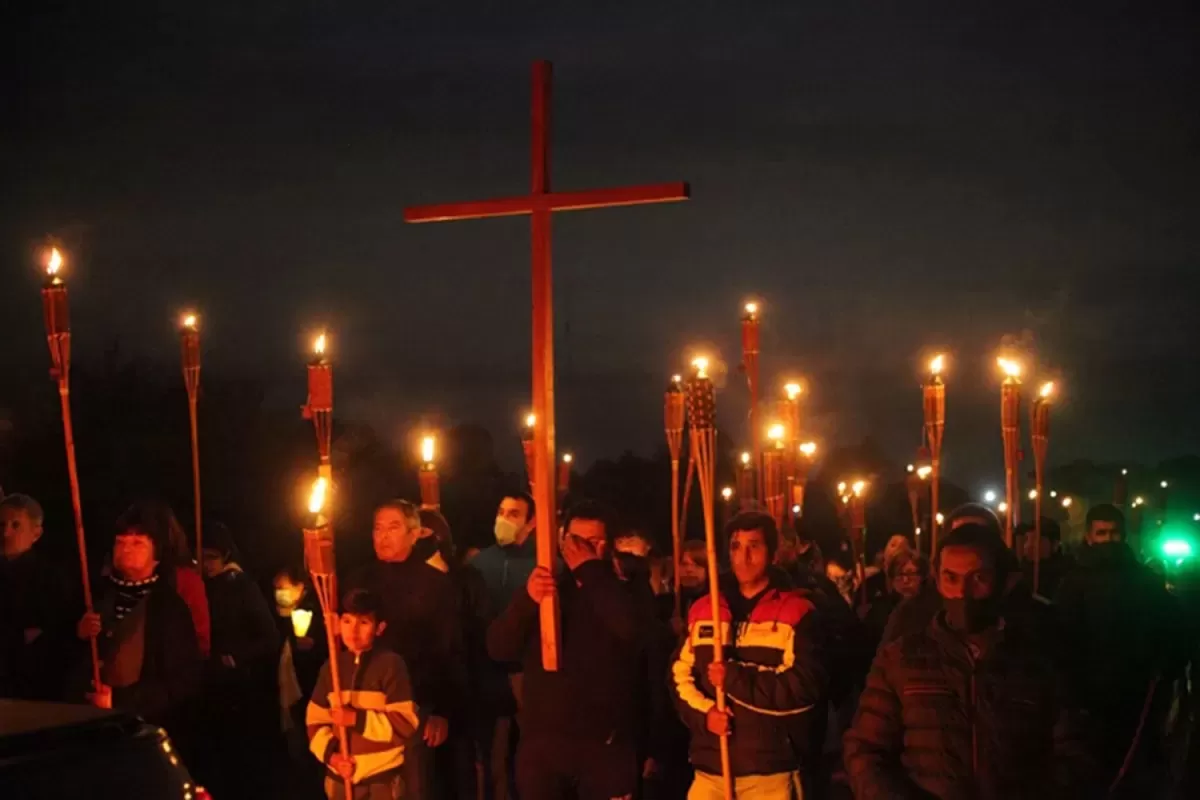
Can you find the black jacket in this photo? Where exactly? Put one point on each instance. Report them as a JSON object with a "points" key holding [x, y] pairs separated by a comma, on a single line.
{"points": [[171, 663], [242, 627], [423, 610], [34, 596], [594, 694]]}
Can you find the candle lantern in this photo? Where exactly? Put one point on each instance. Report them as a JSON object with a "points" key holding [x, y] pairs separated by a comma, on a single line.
{"points": [[750, 364], [320, 562], [1040, 434], [319, 407], [427, 476], [189, 340], [1010, 429], [934, 393], [57, 318], [702, 419], [673, 421]]}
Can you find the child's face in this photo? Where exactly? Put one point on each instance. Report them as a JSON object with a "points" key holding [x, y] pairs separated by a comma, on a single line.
{"points": [[359, 631]]}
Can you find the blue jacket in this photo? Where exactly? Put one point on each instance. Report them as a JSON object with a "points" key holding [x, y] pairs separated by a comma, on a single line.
{"points": [[505, 571]]}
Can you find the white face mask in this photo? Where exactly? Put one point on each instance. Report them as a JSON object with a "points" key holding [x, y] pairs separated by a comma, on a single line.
{"points": [[506, 531]]}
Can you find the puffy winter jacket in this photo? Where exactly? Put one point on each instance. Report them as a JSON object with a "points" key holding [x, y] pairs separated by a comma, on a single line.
{"points": [[948, 719], [775, 680]]}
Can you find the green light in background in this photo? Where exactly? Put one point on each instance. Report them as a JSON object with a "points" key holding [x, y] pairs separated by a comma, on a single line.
{"points": [[1177, 548]]}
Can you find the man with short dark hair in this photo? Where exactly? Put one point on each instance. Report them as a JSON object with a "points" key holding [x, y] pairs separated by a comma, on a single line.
{"points": [[772, 674], [1054, 563], [971, 706], [579, 725], [1126, 640], [35, 606]]}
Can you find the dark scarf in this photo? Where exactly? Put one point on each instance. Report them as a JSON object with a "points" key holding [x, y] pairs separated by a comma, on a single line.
{"points": [[127, 594]]}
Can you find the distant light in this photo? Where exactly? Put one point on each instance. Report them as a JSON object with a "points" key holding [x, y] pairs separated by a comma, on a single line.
{"points": [[568, 458], [1163, 484], [1137, 501], [842, 487], [1053, 493], [745, 459], [726, 494], [911, 468], [1177, 548], [1033, 494], [941, 518], [1195, 517], [989, 496], [917, 531], [1124, 472], [1002, 508], [1066, 502], [796, 510]]}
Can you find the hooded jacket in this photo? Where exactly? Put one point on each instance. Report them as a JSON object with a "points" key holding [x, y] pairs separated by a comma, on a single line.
{"points": [[775, 681]]}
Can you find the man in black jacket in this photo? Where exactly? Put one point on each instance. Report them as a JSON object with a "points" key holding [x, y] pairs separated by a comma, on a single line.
{"points": [[579, 725], [423, 612], [1126, 641]]}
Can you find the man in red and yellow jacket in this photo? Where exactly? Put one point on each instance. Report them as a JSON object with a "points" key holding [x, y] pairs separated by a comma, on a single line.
{"points": [[772, 674]]}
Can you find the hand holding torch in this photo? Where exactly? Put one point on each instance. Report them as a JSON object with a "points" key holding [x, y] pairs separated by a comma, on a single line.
{"points": [[673, 420], [319, 559], [56, 315], [189, 340], [702, 419]]}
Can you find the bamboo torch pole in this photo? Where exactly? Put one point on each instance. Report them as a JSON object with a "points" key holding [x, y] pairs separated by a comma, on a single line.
{"points": [[57, 317], [772, 461], [427, 476], [702, 418], [673, 421], [1010, 429], [1041, 439], [750, 363], [189, 338], [791, 452], [319, 407], [319, 558], [935, 426], [858, 536]]}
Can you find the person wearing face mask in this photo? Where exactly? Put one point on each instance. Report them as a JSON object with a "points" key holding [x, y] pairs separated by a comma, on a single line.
{"points": [[303, 651], [507, 565], [1127, 640], [974, 705]]}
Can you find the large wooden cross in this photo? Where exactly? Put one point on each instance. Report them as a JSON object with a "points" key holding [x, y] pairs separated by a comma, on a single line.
{"points": [[539, 204]]}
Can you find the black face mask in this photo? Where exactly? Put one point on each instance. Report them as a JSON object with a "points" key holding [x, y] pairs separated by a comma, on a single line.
{"points": [[971, 615]]}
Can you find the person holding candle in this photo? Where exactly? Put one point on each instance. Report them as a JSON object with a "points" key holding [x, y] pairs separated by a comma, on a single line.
{"points": [[301, 628]]}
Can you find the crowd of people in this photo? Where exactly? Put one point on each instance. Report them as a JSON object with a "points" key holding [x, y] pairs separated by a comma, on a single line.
{"points": [[940, 675]]}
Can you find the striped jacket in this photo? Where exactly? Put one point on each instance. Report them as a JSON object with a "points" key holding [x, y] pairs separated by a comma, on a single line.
{"points": [[376, 685], [774, 679]]}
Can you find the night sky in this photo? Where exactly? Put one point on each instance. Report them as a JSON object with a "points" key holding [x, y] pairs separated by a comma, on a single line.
{"points": [[889, 177]]}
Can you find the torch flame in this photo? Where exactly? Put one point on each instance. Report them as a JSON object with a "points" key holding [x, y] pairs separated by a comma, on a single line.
{"points": [[793, 390], [808, 449], [842, 487], [701, 365], [568, 458], [859, 487], [776, 432], [427, 449], [726, 494], [937, 364], [316, 500], [319, 344], [530, 420], [1046, 390], [676, 379], [923, 472], [1011, 368], [54, 263], [745, 459], [189, 321], [752, 309]]}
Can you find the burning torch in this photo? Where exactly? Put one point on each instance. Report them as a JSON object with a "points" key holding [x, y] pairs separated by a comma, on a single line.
{"points": [[57, 316], [673, 420], [806, 453], [319, 559], [935, 426], [858, 534], [1010, 428], [189, 339], [427, 476], [772, 461], [702, 418], [319, 407], [791, 455], [1040, 420]]}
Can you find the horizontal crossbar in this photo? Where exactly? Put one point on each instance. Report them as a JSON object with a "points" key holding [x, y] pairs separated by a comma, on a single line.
{"points": [[553, 201]]}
